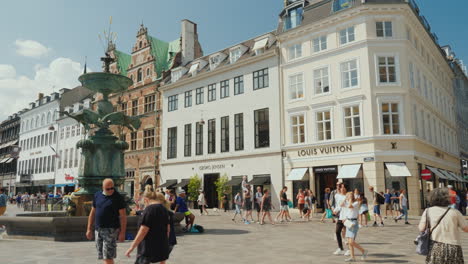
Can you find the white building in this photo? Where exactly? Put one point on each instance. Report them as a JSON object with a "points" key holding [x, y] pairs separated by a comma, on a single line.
{"points": [[38, 142], [221, 117]]}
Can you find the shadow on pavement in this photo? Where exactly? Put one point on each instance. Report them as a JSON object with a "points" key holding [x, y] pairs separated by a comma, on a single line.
{"points": [[222, 232], [389, 261], [383, 255]]}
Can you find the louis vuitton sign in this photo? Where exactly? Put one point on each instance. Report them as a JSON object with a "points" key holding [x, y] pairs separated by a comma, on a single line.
{"points": [[324, 150]]}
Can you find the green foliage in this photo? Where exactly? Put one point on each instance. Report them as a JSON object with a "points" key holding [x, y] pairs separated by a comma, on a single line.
{"points": [[221, 186], [194, 187]]}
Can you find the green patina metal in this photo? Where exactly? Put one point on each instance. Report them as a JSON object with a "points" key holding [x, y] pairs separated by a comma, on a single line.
{"points": [[123, 61], [164, 53]]}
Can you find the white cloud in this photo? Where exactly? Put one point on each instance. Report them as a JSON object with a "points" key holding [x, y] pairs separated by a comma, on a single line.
{"points": [[31, 48], [18, 91], [7, 71]]}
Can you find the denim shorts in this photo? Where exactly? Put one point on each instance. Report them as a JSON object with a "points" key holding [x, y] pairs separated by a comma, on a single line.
{"points": [[238, 209], [352, 232], [377, 209]]}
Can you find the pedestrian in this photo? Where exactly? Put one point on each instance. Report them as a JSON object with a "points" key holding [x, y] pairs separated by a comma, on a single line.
{"points": [[225, 201], [172, 199], [307, 206], [181, 207], [247, 204], [326, 204], [202, 203], [258, 202], [284, 209], [152, 238], [351, 210], [238, 205], [110, 221], [313, 201], [18, 200], [300, 197], [363, 210], [266, 207], [388, 203], [167, 194], [377, 199], [445, 243], [453, 197], [404, 207], [3, 201], [395, 201], [339, 199]]}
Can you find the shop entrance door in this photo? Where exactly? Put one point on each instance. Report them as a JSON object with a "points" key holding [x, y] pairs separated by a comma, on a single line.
{"points": [[322, 181], [209, 187]]}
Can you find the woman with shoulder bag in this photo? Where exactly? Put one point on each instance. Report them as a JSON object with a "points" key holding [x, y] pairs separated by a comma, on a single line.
{"points": [[350, 209], [443, 224]]}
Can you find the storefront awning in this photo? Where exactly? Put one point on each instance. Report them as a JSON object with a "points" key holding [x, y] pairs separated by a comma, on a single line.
{"points": [[297, 174], [3, 160], [455, 176], [9, 160], [182, 183], [235, 180], [447, 175], [260, 180], [437, 172], [398, 169], [168, 184], [349, 171]]}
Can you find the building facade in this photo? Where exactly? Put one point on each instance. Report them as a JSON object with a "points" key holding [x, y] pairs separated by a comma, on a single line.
{"points": [[367, 99], [9, 135], [221, 119]]}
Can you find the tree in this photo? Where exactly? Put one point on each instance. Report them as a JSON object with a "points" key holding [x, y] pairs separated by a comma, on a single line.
{"points": [[221, 186], [194, 187]]}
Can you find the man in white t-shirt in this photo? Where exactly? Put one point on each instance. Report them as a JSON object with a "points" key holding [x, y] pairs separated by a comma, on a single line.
{"points": [[340, 197]]}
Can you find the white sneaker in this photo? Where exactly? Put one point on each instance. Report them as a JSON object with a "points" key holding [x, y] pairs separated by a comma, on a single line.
{"points": [[360, 226], [347, 253], [350, 260], [364, 255], [338, 252]]}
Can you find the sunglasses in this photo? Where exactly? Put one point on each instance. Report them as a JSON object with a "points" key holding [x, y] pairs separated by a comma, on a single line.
{"points": [[110, 189]]}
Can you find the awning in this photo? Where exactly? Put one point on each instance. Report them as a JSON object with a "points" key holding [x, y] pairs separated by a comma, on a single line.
{"points": [[260, 44], [260, 180], [236, 180], [297, 174], [70, 184], [60, 185], [14, 142], [447, 175], [3, 160], [9, 160], [455, 176], [168, 184], [349, 171], [398, 169], [182, 183], [437, 172]]}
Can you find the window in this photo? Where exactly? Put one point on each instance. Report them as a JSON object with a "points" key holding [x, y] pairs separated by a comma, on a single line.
{"points": [[352, 121], [65, 159], [211, 136], [293, 18], [77, 154], [235, 54], [260, 79], [262, 128], [135, 107], [423, 124], [173, 103], [238, 85], [239, 131], [123, 108], [172, 143], [384, 29], [411, 74], [320, 43], [211, 92], [188, 140], [199, 96], [321, 81], [323, 125], [224, 89], [72, 131], [298, 129], [147, 72], [347, 35], [199, 139], [59, 162], [349, 74], [296, 87], [341, 4], [133, 140], [188, 99], [139, 75], [150, 103], [390, 118], [148, 138], [295, 51], [225, 134], [215, 61], [387, 72], [176, 75], [67, 134], [70, 164]]}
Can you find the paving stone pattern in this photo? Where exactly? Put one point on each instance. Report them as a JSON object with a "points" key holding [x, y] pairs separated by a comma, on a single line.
{"points": [[228, 242]]}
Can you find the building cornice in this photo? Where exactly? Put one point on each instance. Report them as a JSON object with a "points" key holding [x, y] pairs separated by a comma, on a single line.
{"points": [[214, 159]]}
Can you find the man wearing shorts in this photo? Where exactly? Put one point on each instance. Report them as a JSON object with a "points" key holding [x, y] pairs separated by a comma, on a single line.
{"points": [[395, 201], [388, 203], [110, 221], [375, 199], [258, 202], [181, 207]]}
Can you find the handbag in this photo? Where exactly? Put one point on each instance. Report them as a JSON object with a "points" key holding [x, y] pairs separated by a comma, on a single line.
{"points": [[329, 213], [423, 240], [349, 224]]}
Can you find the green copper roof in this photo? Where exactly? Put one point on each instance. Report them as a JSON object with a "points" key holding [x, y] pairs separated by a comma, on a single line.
{"points": [[123, 60], [164, 53]]}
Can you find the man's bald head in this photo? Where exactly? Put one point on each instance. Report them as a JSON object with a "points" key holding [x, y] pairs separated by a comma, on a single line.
{"points": [[108, 186]]}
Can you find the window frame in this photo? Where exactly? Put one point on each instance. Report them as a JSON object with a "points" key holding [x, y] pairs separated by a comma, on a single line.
{"points": [[172, 143], [384, 29], [224, 137], [198, 138], [316, 121], [320, 43], [149, 138], [173, 103], [224, 89], [188, 140], [396, 65], [401, 118], [239, 85], [257, 123], [293, 128], [239, 131], [199, 95], [134, 107], [188, 99], [352, 117], [321, 77], [260, 74], [211, 136], [212, 92], [133, 140], [357, 86], [150, 103], [347, 35], [296, 50]]}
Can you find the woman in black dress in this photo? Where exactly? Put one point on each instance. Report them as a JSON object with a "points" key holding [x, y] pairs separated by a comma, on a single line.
{"points": [[266, 207], [152, 239]]}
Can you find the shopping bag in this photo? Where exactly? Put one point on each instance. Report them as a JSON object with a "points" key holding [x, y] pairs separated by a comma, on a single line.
{"points": [[329, 213], [290, 204], [368, 216]]}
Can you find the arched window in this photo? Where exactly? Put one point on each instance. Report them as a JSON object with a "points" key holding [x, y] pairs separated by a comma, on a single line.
{"points": [[43, 119], [147, 72], [49, 116], [141, 43], [37, 122], [131, 76], [139, 75], [27, 124]]}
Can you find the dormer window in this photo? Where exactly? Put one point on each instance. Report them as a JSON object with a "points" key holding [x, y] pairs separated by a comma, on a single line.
{"points": [[235, 54], [215, 61], [194, 69], [339, 5], [260, 46], [293, 17], [177, 74]]}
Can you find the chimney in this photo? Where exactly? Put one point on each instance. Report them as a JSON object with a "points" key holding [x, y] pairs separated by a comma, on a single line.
{"points": [[40, 96], [190, 46]]}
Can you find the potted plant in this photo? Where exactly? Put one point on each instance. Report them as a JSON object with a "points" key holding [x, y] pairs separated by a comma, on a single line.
{"points": [[193, 189], [221, 188]]}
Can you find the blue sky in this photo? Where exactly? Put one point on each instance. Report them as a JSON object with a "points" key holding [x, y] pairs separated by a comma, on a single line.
{"points": [[43, 43]]}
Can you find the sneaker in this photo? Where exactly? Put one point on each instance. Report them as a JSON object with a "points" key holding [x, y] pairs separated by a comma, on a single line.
{"points": [[247, 222], [347, 253], [338, 251], [361, 226], [375, 224], [381, 225], [407, 223], [350, 260], [364, 255]]}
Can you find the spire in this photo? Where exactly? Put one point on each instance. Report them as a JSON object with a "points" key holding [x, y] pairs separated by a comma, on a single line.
{"points": [[142, 30], [84, 72]]}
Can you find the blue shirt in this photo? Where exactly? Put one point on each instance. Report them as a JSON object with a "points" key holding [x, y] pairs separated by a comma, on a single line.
{"points": [[182, 205], [107, 209], [3, 200], [387, 197]]}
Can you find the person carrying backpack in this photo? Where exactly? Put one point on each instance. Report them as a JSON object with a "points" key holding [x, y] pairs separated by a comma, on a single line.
{"points": [[378, 199]]}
